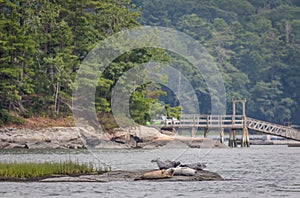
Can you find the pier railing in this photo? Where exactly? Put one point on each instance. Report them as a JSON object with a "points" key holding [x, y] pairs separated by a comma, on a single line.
{"points": [[273, 129], [205, 121], [229, 122], [211, 121]]}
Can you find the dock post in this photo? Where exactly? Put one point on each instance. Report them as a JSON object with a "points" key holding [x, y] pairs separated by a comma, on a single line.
{"points": [[232, 139], [205, 132], [179, 131], [222, 135], [245, 138], [193, 132]]}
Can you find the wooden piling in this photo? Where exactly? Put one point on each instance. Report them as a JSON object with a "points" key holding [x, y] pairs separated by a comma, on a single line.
{"points": [[193, 132], [245, 138], [232, 139], [205, 132], [222, 135]]}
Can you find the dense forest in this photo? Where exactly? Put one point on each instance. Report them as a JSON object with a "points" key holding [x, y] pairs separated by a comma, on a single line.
{"points": [[255, 43]]}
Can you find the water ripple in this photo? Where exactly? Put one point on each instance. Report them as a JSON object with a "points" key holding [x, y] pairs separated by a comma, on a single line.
{"points": [[260, 171]]}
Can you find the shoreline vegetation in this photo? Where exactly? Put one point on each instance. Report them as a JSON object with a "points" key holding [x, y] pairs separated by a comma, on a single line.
{"points": [[35, 171], [41, 122]]}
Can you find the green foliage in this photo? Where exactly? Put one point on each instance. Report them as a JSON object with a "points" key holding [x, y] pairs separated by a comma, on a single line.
{"points": [[255, 43], [173, 111], [41, 46], [8, 118]]}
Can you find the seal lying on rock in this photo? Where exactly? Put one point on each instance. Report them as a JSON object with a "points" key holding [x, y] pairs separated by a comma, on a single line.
{"points": [[196, 166], [157, 174], [184, 171], [166, 164]]}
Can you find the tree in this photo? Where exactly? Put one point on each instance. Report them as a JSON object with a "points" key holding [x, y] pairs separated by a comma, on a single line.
{"points": [[15, 61]]}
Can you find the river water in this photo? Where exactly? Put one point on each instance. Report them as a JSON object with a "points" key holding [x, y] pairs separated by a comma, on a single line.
{"points": [[258, 171]]}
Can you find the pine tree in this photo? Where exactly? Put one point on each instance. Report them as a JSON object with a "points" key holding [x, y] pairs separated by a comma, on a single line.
{"points": [[16, 62]]}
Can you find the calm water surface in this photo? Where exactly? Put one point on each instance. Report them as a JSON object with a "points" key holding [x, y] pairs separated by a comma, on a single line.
{"points": [[259, 171]]}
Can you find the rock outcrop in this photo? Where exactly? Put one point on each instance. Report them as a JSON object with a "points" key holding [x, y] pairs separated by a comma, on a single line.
{"points": [[137, 136], [52, 138], [86, 137], [131, 176]]}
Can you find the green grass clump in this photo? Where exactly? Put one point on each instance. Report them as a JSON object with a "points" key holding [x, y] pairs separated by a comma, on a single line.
{"points": [[31, 169]]}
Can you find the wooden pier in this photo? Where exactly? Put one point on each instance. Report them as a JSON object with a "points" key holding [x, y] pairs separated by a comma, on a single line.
{"points": [[233, 122]]}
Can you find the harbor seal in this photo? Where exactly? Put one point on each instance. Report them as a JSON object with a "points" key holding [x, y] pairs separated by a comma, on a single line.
{"points": [[196, 166], [157, 174], [166, 164], [184, 171]]}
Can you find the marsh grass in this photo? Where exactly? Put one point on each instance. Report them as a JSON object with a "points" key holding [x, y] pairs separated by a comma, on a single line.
{"points": [[33, 170]]}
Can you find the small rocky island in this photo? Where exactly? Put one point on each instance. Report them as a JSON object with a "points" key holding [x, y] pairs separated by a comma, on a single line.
{"points": [[119, 175], [131, 176], [168, 171]]}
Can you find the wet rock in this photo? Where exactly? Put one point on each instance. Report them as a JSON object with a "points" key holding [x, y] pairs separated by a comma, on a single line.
{"points": [[153, 144], [110, 145], [16, 146], [169, 133], [42, 145], [207, 143], [75, 146], [146, 134], [137, 137], [46, 138], [3, 145], [176, 144], [130, 176]]}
